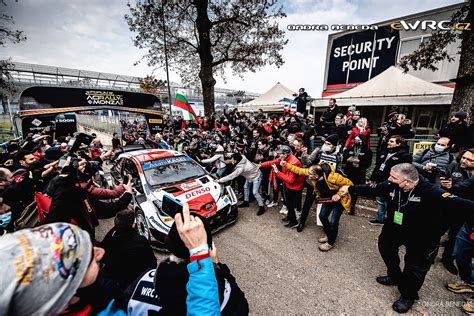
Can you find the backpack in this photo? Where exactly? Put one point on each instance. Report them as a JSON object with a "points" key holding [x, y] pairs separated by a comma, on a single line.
{"points": [[34, 213]]}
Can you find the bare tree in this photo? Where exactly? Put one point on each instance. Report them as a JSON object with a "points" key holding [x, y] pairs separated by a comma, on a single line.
{"points": [[433, 51], [7, 35], [204, 38]]}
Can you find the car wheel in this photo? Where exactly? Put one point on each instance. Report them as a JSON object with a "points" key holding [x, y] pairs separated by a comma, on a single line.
{"points": [[142, 224]]}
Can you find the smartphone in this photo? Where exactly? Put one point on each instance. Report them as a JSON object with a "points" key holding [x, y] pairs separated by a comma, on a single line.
{"points": [[62, 162], [171, 206]]}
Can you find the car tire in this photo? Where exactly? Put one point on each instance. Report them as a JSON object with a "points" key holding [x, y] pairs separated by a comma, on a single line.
{"points": [[142, 225]]}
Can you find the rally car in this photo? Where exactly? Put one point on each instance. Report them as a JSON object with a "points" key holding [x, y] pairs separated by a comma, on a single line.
{"points": [[156, 172]]}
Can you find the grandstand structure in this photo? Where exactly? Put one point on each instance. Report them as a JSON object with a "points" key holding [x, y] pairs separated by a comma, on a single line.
{"points": [[25, 75]]}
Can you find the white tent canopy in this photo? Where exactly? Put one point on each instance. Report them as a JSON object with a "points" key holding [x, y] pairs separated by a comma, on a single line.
{"points": [[392, 87], [270, 100]]}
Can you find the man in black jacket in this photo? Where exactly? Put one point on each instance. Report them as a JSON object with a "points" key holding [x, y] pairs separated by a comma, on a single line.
{"points": [[72, 201], [328, 117], [301, 100], [414, 220], [395, 153], [127, 253], [457, 131]]}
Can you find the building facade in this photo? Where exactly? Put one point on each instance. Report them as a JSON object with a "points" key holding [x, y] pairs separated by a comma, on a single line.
{"points": [[355, 57]]}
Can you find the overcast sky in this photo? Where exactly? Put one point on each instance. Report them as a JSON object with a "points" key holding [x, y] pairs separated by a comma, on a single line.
{"points": [[93, 35]]}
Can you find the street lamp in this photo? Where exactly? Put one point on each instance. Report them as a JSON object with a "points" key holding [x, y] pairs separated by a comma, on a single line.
{"points": [[166, 55]]}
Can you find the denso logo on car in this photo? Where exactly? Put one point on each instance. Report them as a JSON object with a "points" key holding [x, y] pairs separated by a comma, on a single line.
{"points": [[197, 192]]}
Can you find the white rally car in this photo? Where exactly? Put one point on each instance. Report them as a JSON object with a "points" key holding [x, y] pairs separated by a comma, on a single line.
{"points": [[156, 172]]}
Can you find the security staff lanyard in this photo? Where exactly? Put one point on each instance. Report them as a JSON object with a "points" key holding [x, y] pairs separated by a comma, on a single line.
{"points": [[398, 216]]}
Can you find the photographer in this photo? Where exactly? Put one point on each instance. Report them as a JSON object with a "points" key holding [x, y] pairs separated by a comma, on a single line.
{"points": [[301, 100], [72, 199], [434, 162]]}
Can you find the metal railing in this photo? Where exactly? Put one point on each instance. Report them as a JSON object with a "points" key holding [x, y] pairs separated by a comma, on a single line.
{"points": [[106, 124]]}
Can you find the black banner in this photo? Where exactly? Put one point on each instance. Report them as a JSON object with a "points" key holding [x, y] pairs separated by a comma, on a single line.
{"points": [[358, 57], [44, 103]]}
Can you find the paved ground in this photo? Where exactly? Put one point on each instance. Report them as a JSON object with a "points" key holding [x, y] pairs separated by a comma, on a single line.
{"points": [[283, 272]]}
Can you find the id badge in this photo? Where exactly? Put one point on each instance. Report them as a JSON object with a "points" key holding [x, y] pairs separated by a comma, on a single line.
{"points": [[398, 218], [382, 167]]}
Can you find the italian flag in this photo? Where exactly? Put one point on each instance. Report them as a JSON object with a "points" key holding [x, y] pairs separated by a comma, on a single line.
{"points": [[182, 103]]}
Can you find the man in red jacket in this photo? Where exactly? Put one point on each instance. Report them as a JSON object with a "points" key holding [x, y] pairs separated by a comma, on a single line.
{"points": [[293, 183]]}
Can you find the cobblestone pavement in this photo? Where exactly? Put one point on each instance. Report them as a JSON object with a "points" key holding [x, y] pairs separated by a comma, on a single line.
{"points": [[282, 271]]}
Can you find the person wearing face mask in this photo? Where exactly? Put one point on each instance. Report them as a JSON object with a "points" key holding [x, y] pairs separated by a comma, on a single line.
{"points": [[435, 161], [395, 153], [414, 220], [326, 153]]}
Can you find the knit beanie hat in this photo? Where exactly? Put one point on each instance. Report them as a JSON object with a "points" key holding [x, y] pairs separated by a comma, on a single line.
{"points": [[42, 268], [333, 139], [460, 115]]}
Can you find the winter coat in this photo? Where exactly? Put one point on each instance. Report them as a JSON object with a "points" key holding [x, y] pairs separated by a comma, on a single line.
{"points": [[356, 172], [385, 162], [123, 245], [442, 160], [291, 180], [244, 168], [333, 180], [458, 133], [356, 132]]}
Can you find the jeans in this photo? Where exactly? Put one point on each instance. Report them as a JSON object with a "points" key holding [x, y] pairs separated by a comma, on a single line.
{"points": [[293, 203], [308, 202], [381, 208], [331, 228], [463, 252], [220, 171], [255, 188]]}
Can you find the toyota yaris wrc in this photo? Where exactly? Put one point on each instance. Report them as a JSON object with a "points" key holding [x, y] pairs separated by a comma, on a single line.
{"points": [[159, 172]]}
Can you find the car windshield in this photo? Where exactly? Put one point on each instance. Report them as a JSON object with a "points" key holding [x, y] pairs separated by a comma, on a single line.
{"points": [[172, 170]]}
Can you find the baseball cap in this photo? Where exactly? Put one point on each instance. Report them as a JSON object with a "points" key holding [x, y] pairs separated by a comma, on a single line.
{"points": [[283, 149]]}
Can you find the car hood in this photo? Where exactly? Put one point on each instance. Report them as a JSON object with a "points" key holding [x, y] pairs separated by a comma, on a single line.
{"points": [[201, 195]]}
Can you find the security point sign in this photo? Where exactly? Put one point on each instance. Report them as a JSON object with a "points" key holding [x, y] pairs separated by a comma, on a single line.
{"points": [[358, 57]]}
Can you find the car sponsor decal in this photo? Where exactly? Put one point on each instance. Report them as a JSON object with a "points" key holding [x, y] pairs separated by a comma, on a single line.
{"points": [[164, 162], [154, 221], [189, 186], [198, 192]]}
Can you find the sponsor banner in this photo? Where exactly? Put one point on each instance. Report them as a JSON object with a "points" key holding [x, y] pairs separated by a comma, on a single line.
{"points": [[421, 146], [164, 162], [35, 101]]}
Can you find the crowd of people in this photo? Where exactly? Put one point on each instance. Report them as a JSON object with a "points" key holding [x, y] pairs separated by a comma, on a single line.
{"points": [[52, 199]]}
